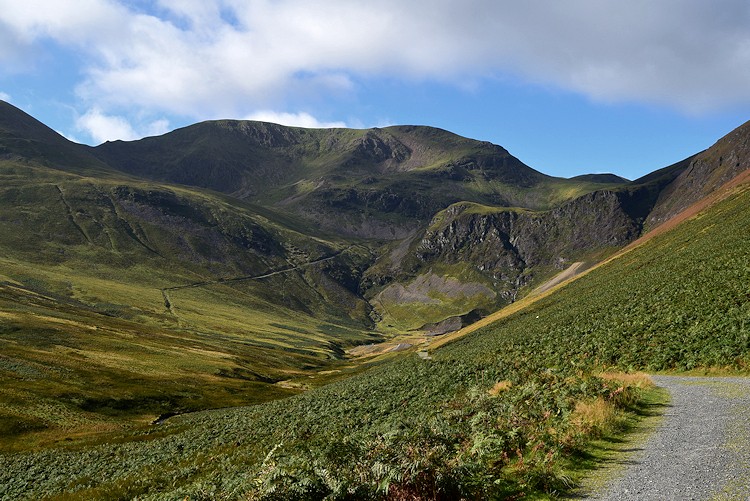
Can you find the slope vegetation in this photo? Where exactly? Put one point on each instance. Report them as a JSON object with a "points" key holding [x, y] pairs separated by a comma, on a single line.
{"points": [[99, 330], [493, 414]]}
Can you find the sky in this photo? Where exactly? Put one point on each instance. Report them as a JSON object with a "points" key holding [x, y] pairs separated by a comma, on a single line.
{"points": [[569, 87]]}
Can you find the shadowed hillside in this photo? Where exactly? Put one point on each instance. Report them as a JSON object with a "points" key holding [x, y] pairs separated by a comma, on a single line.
{"points": [[376, 183]]}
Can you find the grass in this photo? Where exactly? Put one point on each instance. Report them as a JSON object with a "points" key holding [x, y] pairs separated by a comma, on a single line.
{"points": [[90, 348], [129, 360], [92, 352], [433, 428]]}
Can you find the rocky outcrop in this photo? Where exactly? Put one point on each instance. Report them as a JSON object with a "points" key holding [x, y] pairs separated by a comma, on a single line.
{"points": [[706, 172], [508, 245], [382, 150]]}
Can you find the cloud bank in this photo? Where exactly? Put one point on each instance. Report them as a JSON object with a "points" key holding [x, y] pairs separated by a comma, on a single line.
{"points": [[217, 58]]}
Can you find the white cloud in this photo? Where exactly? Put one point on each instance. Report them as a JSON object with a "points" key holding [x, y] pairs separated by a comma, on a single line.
{"points": [[69, 137], [103, 127], [293, 120], [226, 57], [88, 20], [157, 127], [4, 96]]}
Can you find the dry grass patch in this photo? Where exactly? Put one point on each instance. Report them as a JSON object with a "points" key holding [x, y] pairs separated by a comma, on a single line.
{"points": [[500, 387], [629, 379], [594, 417], [601, 415]]}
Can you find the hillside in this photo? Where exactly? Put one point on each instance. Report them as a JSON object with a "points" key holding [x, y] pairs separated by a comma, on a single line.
{"points": [[497, 413], [494, 255], [125, 299], [376, 183], [231, 263], [705, 172]]}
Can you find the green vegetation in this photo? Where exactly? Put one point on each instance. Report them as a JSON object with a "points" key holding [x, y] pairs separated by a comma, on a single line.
{"points": [[500, 412], [149, 329], [98, 333], [444, 290]]}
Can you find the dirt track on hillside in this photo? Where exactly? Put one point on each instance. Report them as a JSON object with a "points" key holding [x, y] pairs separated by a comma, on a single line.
{"points": [[573, 270]]}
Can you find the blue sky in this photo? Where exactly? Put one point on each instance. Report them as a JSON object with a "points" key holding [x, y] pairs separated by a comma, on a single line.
{"points": [[568, 87]]}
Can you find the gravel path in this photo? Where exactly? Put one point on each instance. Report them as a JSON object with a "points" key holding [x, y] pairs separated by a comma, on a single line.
{"points": [[700, 448]]}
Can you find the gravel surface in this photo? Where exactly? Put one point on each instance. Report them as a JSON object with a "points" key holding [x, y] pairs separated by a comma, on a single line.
{"points": [[700, 449]]}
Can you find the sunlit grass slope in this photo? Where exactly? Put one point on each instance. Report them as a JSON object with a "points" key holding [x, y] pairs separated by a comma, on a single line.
{"points": [[500, 412], [98, 330]]}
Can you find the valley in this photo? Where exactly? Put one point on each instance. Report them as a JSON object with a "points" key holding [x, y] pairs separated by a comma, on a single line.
{"points": [[261, 292]]}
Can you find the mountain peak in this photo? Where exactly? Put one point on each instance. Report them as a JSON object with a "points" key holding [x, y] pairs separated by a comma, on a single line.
{"points": [[15, 122], [603, 178], [23, 136]]}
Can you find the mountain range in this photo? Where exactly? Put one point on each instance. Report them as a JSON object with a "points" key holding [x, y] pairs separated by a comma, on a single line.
{"points": [[234, 262], [445, 226]]}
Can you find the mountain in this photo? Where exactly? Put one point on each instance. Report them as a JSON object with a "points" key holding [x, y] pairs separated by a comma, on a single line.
{"points": [[376, 183], [380, 185], [495, 255], [602, 178], [399, 184], [521, 407], [705, 173], [230, 262], [122, 298], [446, 226], [23, 138]]}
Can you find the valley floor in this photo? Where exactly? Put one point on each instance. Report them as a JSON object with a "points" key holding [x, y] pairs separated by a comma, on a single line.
{"points": [[699, 450]]}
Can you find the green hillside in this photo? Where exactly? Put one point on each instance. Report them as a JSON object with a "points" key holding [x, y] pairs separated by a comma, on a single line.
{"points": [[122, 300], [496, 413]]}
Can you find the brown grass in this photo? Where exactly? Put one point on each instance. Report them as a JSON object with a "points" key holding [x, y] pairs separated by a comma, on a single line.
{"points": [[629, 379], [593, 417], [500, 387]]}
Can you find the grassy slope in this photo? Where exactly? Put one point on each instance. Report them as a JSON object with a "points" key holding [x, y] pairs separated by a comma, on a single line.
{"points": [[492, 414], [87, 344]]}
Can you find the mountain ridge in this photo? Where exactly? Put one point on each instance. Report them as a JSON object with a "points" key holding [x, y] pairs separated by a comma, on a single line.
{"points": [[392, 184], [395, 177]]}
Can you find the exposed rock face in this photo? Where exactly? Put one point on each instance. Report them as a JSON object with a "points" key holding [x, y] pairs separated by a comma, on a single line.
{"points": [[383, 150], [508, 244], [706, 172]]}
